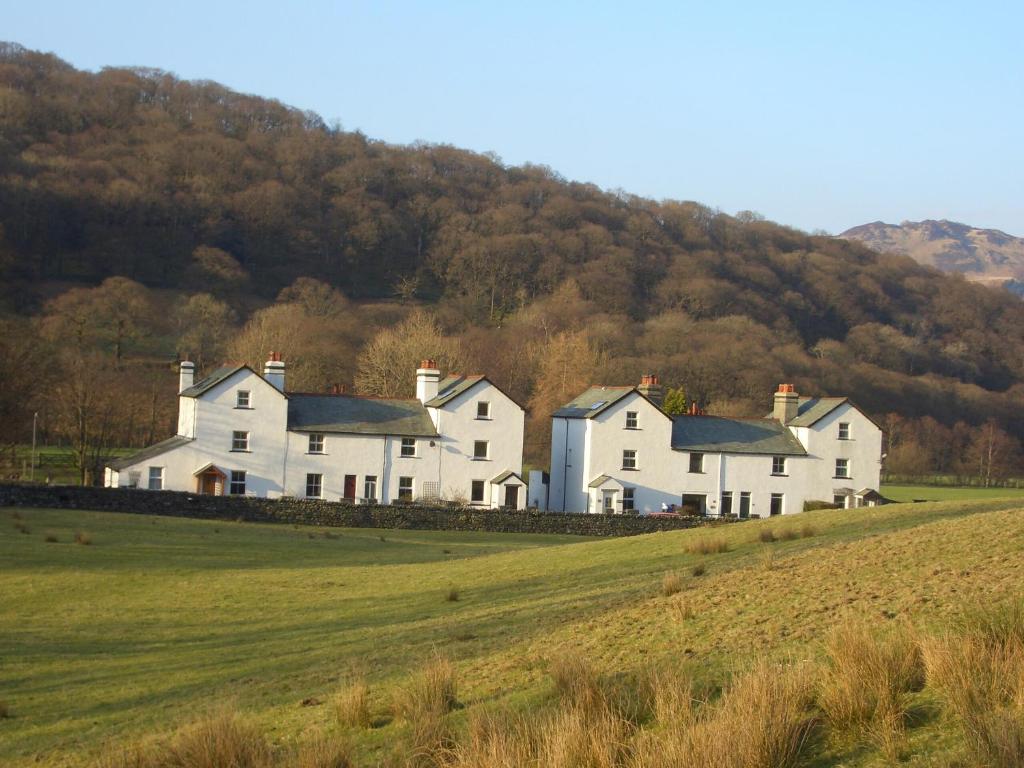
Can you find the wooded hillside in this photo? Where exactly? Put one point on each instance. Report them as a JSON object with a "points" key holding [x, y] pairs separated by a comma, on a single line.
{"points": [[145, 217]]}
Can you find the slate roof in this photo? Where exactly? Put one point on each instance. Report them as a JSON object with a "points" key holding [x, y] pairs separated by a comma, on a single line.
{"points": [[715, 434], [358, 415], [814, 409], [148, 453], [592, 402], [452, 386], [212, 380], [499, 479], [600, 480]]}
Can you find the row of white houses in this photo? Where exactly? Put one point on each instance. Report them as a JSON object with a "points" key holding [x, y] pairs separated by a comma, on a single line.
{"points": [[613, 449]]}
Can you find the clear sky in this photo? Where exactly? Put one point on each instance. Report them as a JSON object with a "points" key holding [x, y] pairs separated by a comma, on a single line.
{"points": [[816, 114]]}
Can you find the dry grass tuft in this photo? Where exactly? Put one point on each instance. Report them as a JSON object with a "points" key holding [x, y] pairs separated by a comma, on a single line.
{"points": [[576, 681], [808, 531], [83, 538], [5, 710], [672, 696], [433, 690], [864, 686], [352, 704], [708, 545], [220, 740], [452, 595], [578, 736], [789, 534], [767, 558], [671, 584], [50, 539], [497, 740], [682, 610], [767, 536], [323, 752], [698, 570]]}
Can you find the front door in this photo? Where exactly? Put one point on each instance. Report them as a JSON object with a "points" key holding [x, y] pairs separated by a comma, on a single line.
{"points": [[608, 507], [512, 496], [210, 484], [350, 487]]}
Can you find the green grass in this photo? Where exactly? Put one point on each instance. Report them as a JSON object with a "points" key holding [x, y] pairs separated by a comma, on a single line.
{"points": [[944, 493], [160, 619]]}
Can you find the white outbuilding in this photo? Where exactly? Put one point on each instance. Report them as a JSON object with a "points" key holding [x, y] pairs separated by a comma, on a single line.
{"points": [[240, 433]]}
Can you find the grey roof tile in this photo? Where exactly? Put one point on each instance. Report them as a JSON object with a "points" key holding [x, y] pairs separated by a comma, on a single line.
{"points": [[358, 415], [452, 386], [151, 452], [715, 434], [814, 409], [213, 379], [592, 402]]}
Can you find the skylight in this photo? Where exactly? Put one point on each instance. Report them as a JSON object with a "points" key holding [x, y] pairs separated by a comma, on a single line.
{"points": [[598, 404]]}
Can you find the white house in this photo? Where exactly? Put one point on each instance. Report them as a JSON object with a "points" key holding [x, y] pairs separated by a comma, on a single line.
{"points": [[242, 433], [614, 450]]}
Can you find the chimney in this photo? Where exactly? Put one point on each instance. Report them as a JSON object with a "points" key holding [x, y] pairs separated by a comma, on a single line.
{"points": [[427, 378], [650, 388], [273, 371], [186, 375], [787, 403]]}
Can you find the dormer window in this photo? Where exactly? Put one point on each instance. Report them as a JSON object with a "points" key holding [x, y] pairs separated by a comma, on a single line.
{"points": [[632, 420], [242, 399], [483, 410], [844, 430]]}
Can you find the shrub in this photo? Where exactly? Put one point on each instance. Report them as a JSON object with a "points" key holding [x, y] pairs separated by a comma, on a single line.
{"points": [[671, 584], [699, 570], [864, 686], [810, 505], [708, 545], [83, 538], [352, 704]]}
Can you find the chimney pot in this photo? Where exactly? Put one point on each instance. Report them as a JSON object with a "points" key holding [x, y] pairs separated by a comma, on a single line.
{"points": [[427, 379], [186, 375], [787, 403]]}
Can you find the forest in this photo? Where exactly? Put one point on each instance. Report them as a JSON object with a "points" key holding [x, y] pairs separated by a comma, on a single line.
{"points": [[145, 219]]}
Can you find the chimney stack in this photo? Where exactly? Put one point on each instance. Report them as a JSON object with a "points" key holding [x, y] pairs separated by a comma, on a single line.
{"points": [[787, 403], [428, 376], [186, 375], [273, 371], [650, 388]]}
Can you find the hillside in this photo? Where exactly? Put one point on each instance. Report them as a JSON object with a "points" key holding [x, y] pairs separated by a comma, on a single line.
{"points": [[114, 640], [979, 254], [145, 217]]}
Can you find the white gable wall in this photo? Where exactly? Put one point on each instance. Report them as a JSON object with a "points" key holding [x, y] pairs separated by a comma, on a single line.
{"points": [[863, 450]]}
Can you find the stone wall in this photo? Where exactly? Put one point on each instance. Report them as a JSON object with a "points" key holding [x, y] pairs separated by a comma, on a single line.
{"points": [[337, 514]]}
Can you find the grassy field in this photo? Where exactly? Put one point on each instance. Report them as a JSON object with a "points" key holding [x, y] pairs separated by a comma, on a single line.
{"points": [[944, 493], [159, 619]]}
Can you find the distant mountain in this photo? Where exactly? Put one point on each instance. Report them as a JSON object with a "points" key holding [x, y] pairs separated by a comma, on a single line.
{"points": [[985, 255]]}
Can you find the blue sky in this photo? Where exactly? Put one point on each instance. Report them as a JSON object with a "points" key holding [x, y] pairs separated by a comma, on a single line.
{"points": [[815, 114]]}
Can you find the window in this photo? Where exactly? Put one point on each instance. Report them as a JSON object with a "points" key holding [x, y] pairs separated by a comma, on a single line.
{"points": [[844, 430], [744, 504], [316, 443], [156, 478], [483, 410], [239, 441], [631, 420], [370, 487], [480, 449], [776, 505], [133, 478], [726, 503], [629, 459], [697, 462], [842, 468], [242, 399], [237, 486], [628, 499], [408, 446], [405, 488], [778, 465], [314, 485], [476, 494], [839, 500]]}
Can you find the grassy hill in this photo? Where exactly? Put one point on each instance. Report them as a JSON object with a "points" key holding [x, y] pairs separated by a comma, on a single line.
{"points": [[158, 620]]}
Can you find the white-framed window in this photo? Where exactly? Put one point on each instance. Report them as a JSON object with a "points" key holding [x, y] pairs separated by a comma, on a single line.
{"points": [[628, 499], [697, 463], [629, 459], [239, 441], [844, 430], [476, 492], [726, 508], [632, 419], [237, 485], [842, 468], [839, 500], [405, 488], [156, 478], [370, 487], [776, 504], [316, 443], [778, 465], [314, 485], [483, 410], [243, 399], [408, 447], [481, 449]]}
